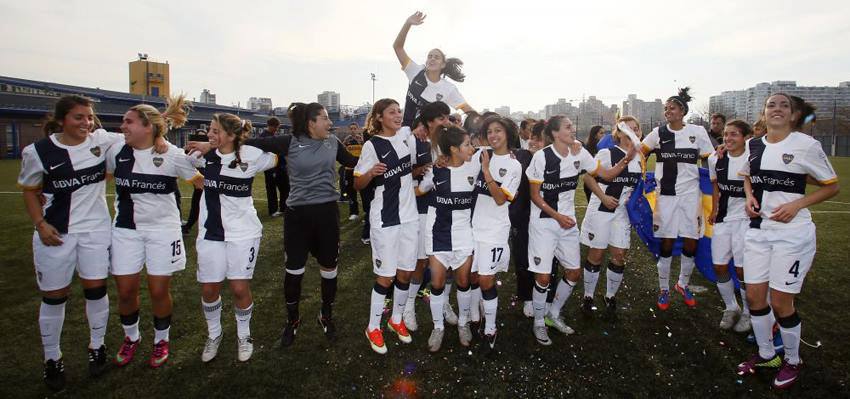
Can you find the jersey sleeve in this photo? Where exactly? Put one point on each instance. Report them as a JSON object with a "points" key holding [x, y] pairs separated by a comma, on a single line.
{"points": [[705, 146], [107, 139], [510, 184], [745, 166], [266, 161], [712, 167], [427, 183], [368, 159], [588, 163], [110, 158], [603, 158], [32, 171], [650, 142], [197, 160], [536, 169], [454, 98], [183, 165], [412, 69], [817, 164]]}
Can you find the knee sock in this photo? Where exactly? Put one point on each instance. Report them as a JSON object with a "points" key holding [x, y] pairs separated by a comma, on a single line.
{"points": [[376, 305], [329, 283], [763, 331], [464, 299], [790, 328], [438, 300], [491, 305], [400, 293], [161, 328], [131, 326], [565, 288], [292, 292], [51, 317], [591, 276], [243, 320], [664, 272], [538, 301], [686, 270], [614, 275], [97, 313], [212, 312]]}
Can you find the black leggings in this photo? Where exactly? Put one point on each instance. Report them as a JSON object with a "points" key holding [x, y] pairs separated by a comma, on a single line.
{"points": [[311, 229]]}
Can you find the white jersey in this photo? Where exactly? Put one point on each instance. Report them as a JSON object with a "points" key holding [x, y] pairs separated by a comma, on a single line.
{"points": [[724, 171], [623, 184], [449, 224], [490, 222], [557, 176], [394, 202], [677, 153], [778, 174], [71, 179], [227, 208], [145, 183]]}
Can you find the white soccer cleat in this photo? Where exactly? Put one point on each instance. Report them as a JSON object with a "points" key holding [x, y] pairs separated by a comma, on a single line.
{"points": [[744, 324], [246, 349], [211, 349], [435, 340], [409, 317], [528, 309], [541, 334], [449, 314], [464, 334], [352, 218], [558, 324], [728, 319]]}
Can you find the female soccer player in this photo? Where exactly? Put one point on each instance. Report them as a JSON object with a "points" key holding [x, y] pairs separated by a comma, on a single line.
{"points": [[730, 221], [677, 145], [147, 230], [386, 162], [229, 231], [781, 243], [606, 223], [426, 82], [67, 168], [449, 232], [495, 186]]}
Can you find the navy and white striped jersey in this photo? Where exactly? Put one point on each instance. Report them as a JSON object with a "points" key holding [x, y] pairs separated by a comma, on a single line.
{"points": [[145, 183], [394, 202], [72, 179], [424, 156], [724, 171], [491, 223], [622, 185], [677, 153], [558, 178], [449, 220], [227, 208], [778, 173]]}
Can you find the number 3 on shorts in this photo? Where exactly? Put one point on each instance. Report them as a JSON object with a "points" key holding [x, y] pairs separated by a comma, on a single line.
{"points": [[795, 269], [251, 255]]}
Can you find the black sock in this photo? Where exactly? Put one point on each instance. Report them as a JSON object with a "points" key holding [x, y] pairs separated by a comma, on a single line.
{"points": [[329, 283], [292, 294]]}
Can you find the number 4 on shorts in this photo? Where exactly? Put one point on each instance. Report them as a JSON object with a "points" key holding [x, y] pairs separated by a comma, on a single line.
{"points": [[795, 269]]}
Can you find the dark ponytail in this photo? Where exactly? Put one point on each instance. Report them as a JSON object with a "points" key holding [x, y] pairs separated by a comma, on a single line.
{"points": [[61, 110], [454, 70], [553, 125], [300, 114]]}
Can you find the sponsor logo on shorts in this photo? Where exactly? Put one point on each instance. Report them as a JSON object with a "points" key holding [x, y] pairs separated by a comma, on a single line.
{"points": [[787, 158], [157, 161], [96, 151], [502, 172], [692, 139], [536, 260]]}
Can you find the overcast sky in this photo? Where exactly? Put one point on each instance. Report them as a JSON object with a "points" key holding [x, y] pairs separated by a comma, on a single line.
{"points": [[524, 54]]}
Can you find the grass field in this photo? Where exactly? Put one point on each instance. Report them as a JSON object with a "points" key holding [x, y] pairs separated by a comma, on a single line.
{"points": [[644, 354]]}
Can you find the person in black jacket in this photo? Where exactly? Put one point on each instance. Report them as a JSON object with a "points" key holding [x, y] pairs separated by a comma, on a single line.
{"points": [[276, 178]]}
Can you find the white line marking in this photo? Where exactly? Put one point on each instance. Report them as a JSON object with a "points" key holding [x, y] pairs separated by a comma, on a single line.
{"points": [[838, 202]]}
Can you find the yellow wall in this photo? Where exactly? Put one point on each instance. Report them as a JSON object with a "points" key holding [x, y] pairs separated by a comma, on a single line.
{"points": [[158, 78]]}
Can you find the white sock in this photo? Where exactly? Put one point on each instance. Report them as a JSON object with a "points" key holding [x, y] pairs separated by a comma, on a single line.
{"points": [[664, 272], [212, 312], [475, 304], [538, 302], [763, 331], [376, 307], [727, 292], [243, 320], [791, 342], [491, 306], [565, 288], [687, 268], [464, 299], [744, 299], [410, 306], [590, 279], [50, 321], [437, 303], [160, 335], [97, 313], [614, 280], [132, 331], [400, 296]]}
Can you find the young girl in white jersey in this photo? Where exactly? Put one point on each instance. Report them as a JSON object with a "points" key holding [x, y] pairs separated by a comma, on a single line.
{"points": [[386, 163], [495, 186], [146, 230], [781, 243], [67, 169], [229, 231]]}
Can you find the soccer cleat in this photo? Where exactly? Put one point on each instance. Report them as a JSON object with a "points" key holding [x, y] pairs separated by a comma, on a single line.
{"points": [[365, 241], [787, 375], [54, 374], [476, 328], [401, 330], [352, 218], [127, 351], [160, 354], [744, 324], [541, 334], [409, 317], [728, 319], [211, 349], [435, 340], [328, 327], [449, 314], [558, 324], [464, 334], [610, 306], [491, 340], [664, 300], [289, 332], [276, 214], [686, 294], [376, 340], [587, 306], [245, 348], [528, 309], [97, 361], [749, 366]]}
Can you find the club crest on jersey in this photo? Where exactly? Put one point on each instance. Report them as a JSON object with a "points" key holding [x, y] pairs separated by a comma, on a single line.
{"points": [[470, 179], [243, 166], [157, 161], [502, 172], [439, 97], [787, 158], [96, 151], [692, 139], [377, 262], [576, 164], [536, 260], [590, 235]]}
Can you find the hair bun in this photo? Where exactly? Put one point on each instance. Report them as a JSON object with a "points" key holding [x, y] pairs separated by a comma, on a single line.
{"points": [[684, 95]]}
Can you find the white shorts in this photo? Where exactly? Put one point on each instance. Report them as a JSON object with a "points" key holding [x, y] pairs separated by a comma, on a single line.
{"points": [[87, 253], [490, 259], [678, 216], [233, 260], [781, 257], [394, 248], [422, 237], [727, 242], [453, 260], [547, 240], [162, 251], [600, 230]]}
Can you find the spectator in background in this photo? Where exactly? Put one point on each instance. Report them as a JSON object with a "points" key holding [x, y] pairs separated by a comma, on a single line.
{"points": [[276, 178], [715, 133], [353, 143], [593, 138], [195, 209], [525, 128]]}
